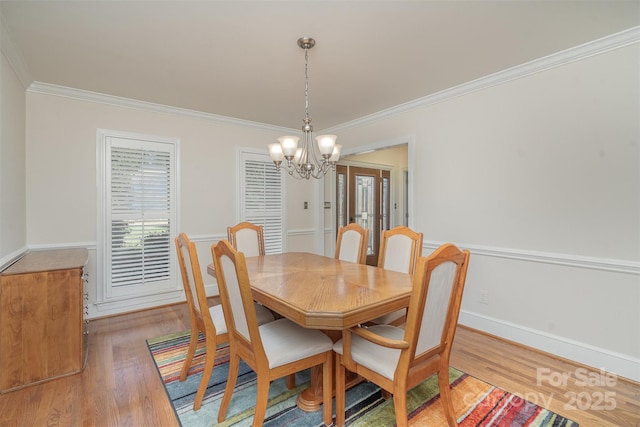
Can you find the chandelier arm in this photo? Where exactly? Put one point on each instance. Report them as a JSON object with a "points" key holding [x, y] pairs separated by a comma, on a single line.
{"points": [[294, 170], [296, 176]]}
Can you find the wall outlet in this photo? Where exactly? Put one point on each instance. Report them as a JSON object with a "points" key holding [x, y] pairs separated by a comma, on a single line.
{"points": [[484, 296]]}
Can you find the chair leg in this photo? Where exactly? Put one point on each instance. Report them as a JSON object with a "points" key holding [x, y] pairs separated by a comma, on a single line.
{"points": [[234, 364], [400, 407], [340, 391], [327, 389], [191, 351], [445, 396], [262, 397], [209, 358], [291, 381]]}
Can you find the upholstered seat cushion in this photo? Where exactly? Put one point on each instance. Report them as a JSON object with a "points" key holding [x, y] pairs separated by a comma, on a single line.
{"points": [[285, 342], [373, 356], [263, 314]]}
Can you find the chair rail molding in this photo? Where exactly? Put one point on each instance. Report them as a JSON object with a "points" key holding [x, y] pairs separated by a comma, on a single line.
{"points": [[594, 263], [208, 238], [302, 232]]}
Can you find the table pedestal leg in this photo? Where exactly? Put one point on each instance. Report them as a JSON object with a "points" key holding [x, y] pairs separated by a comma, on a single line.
{"points": [[311, 398]]}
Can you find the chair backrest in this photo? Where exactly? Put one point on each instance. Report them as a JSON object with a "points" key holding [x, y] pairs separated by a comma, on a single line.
{"points": [[247, 238], [352, 243], [192, 277], [236, 298], [432, 316], [400, 247]]}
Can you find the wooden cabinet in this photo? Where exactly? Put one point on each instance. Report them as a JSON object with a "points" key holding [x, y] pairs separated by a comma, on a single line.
{"points": [[42, 328]]}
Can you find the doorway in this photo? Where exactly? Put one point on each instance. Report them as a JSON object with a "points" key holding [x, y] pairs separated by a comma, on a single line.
{"points": [[364, 196]]}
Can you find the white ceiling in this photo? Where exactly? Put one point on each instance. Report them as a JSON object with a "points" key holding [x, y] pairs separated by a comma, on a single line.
{"points": [[240, 58]]}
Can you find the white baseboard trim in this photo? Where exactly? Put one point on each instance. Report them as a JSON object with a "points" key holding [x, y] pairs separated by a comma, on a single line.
{"points": [[122, 306], [132, 303], [616, 363]]}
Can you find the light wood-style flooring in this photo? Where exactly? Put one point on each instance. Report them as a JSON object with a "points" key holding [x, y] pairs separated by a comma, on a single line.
{"points": [[121, 387]]}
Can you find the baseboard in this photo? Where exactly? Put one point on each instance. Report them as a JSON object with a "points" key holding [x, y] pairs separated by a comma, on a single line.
{"points": [[616, 363], [133, 303]]}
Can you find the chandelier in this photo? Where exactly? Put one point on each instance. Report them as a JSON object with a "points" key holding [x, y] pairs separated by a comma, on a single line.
{"points": [[309, 160]]}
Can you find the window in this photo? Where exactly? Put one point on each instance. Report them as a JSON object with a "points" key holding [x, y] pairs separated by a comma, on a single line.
{"points": [[138, 216], [262, 198]]}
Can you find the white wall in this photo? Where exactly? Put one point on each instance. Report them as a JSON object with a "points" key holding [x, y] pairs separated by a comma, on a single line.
{"points": [[540, 178], [13, 234], [61, 175]]}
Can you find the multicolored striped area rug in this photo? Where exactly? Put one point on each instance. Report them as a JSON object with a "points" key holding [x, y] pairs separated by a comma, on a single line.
{"points": [[476, 402]]}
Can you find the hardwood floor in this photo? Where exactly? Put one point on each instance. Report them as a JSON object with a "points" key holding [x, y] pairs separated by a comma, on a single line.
{"points": [[120, 385], [585, 395]]}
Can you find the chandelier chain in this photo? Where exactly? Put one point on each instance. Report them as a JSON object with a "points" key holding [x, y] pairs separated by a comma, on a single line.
{"points": [[306, 83]]}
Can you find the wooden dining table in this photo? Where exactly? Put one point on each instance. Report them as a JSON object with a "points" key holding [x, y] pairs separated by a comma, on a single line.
{"points": [[320, 292]]}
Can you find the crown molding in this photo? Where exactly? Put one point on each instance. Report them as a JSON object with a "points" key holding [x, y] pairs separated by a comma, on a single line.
{"points": [[101, 98], [586, 50], [577, 53]]}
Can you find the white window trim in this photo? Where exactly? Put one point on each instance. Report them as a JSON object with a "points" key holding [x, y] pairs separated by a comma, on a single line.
{"points": [[172, 293]]}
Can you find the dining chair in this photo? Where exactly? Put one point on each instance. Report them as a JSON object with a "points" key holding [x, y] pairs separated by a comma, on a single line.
{"points": [[400, 247], [273, 350], [352, 243], [247, 238], [207, 320], [397, 359]]}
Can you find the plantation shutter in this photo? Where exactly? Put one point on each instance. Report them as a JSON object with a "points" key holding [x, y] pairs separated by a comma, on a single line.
{"points": [[141, 218], [262, 198]]}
